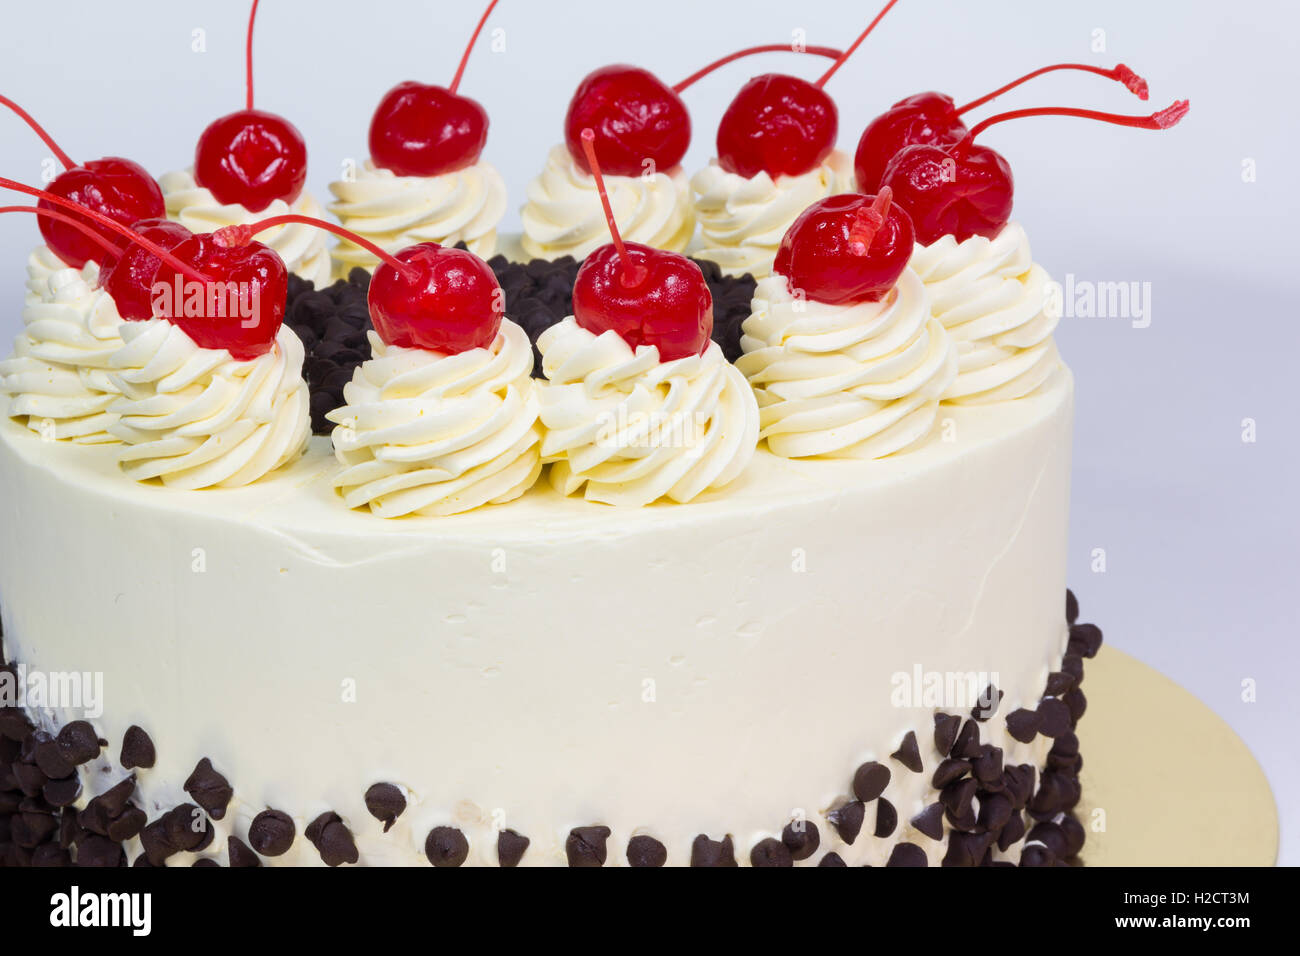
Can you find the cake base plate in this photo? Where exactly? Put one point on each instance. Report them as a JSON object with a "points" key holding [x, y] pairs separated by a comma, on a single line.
{"points": [[1144, 741]]}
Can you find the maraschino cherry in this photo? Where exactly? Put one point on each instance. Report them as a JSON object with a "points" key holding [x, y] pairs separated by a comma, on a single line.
{"points": [[646, 295], [933, 119], [129, 278], [967, 189], [783, 125], [846, 249], [636, 117], [251, 158], [116, 187], [423, 130]]}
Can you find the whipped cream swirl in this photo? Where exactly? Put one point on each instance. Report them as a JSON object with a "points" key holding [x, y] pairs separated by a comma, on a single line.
{"points": [[198, 418], [398, 211], [42, 263], [302, 247], [58, 375], [428, 433], [845, 381], [634, 430], [995, 303], [742, 220], [563, 215]]}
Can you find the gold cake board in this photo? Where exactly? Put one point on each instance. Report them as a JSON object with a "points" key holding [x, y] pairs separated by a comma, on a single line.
{"points": [[1169, 781]]}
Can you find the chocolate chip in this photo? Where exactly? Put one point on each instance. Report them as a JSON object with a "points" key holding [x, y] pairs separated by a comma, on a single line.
{"points": [[1023, 724], [847, 820], [187, 827], [646, 851], [1051, 836], [239, 854], [832, 859], [949, 769], [1072, 664], [1037, 856], [79, 742], [447, 847], [585, 846], [205, 862], [886, 818], [1055, 716], [930, 821], [28, 830], [987, 767], [156, 844], [127, 825], [713, 853], [870, 781], [31, 780], [801, 838], [965, 849], [1071, 607], [49, 756], [958, 799], [987, 705], [49, 854], [1058, 682], [1085, 640], [945, 732], [909, 753], [333, 840], [995, 811], [967, 745], [510, 848], [61, 793], [907, 854], [209, 789], [1077, 704], [99, 851], [1012, 831], [770, 853], [1074, 836], [386, 803], [271, 833], [137, 749]]}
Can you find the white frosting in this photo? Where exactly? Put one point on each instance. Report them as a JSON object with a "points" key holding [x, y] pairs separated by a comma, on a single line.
{"points": [[563, 216], [58, 373], [845, 381], [303, 248], [398, 211], [198, 418], [633, 429], [428, 433], [993, 299], [42, 263], [743, 219], [712, 667]]}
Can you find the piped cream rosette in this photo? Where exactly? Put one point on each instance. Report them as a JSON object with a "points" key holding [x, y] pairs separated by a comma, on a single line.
{"points": [[996, 304], [845, 381], [429, 433], [196, 417], [627, 429]]}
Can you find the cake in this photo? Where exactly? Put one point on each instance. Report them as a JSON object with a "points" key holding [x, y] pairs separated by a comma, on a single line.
{"points": [[597, 555]]}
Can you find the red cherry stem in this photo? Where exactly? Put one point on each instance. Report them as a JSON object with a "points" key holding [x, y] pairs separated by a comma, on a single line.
{"points": [[827, 51], [1161, 119], [464, 60], [1136, 84], [631, 273], [68, 221], [111, 224], [856, 43], [39, 130], [248, 55], [241, 235], [868, 221]]}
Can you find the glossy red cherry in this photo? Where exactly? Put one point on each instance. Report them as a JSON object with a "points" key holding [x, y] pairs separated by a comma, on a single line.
{"points": [[783, 125], [967, 190], [645, 295], [129, 278], [446, 300], [636, 117], [933, 119], [251, 157], [424, 130], [241, 305], [846, 249]]}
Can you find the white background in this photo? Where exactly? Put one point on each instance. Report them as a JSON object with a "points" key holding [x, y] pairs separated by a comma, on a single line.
{"points": [[1198, 527]]}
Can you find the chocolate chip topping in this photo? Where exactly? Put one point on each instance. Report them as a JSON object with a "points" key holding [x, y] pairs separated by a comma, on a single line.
{"points": [[332, 839], [930, 821], [907, 854], [585, 846], [1071, 607], [271, 833], [847, 820], [510, 848], [61, 793], [945, 732], [909, 753], [1085, 640], [137, 749], [967, 745], [870, 781], [239, 854], [1023, 724], [646, 851], [187, 828], [832, 859], [989, 700], [713, 853], [770, 852], [209, 789], [157, 847], [949, 769], [447, 847], [801, 838], [1054, 716], [886, 818], [79, 742], [385, 803], [1012, 831], [1058, 682]]}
